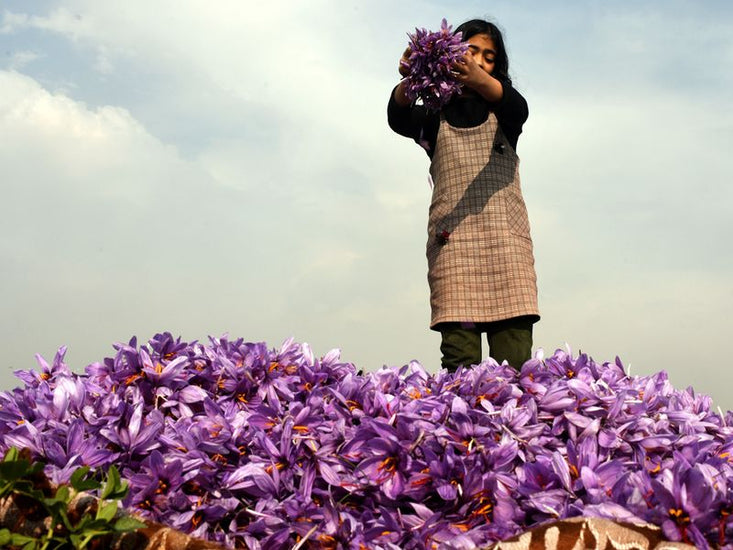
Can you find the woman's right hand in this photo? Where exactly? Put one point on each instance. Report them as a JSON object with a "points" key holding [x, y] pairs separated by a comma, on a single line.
{"points": [[404, 66]]}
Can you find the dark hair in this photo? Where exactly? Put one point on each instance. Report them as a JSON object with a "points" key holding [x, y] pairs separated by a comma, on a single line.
{"points": [[479, 26]]}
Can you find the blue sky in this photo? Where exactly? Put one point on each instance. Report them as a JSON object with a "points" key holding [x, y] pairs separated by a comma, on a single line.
{"points": [[204, 168]]}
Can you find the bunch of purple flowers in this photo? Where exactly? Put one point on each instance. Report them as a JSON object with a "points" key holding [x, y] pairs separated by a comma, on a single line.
{"points": [[430, 65], [260, 448]]}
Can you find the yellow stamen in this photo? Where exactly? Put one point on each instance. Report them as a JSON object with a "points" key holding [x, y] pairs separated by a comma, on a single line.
{"points": [[278, 465], [389, 464], [679, 515], [130, 379], [197, 519], [420, 482], [485, 509]]}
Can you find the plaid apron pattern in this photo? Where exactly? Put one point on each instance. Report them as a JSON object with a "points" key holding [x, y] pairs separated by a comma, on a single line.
{"points": [[479, 249]]}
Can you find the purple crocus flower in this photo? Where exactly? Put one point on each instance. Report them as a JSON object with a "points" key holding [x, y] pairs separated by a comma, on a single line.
{"points": [[263, 448], [432, 55], [134, 434], [48, 372], [687, 499], [386, 460]]}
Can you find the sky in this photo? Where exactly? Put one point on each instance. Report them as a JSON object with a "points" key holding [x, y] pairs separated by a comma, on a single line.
{"points": [[210, 168]]}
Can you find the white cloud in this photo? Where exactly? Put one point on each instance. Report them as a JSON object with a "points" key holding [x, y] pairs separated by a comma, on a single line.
{"points": [[13, 22], [103, 63], [20, 59], [98, 152], [109, 222], [60, 20]]}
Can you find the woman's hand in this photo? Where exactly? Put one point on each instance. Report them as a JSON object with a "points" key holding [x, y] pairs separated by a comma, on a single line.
{"points": [[404, 65], [472, 75], [469, 73], [400, 94]]}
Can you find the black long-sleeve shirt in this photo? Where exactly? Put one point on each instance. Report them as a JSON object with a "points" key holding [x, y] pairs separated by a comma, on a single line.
{"points": [[463, 111]]}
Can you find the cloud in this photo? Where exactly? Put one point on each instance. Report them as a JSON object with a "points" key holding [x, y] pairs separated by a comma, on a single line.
{"points": [[90, 149], [86, 188], [116, 233], [20, 59], [12, 22], [60, 20], [648, 172]]}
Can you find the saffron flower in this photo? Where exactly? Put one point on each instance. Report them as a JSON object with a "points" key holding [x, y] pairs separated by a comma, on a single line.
{"points": [[277, 448], [430, 64]]}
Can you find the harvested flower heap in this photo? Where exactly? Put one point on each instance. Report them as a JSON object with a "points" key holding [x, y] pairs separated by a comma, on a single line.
{"points": [[252, 447]]}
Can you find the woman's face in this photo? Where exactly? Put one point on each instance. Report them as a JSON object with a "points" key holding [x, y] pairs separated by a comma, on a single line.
{"points": [[481, 48]]}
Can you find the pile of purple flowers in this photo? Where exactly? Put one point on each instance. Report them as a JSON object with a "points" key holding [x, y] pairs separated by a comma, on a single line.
{"points": [[260, 448], [430, 63]]}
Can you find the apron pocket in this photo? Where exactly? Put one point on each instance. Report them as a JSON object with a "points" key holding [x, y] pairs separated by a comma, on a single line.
{"points": [[516, 212]]}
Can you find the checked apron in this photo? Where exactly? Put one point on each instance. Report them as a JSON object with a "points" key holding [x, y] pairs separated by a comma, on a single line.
{"points": [[480, 260]]}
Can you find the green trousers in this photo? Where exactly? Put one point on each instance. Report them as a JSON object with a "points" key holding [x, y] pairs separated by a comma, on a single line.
{"points": [[509, 340]]}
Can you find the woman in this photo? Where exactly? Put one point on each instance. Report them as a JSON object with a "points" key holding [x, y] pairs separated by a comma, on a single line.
{"points": [[480, 259]]}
